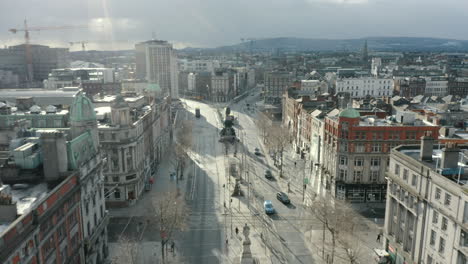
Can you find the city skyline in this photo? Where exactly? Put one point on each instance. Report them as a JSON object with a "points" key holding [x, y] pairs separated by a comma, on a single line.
{"points": [[114, 25]]}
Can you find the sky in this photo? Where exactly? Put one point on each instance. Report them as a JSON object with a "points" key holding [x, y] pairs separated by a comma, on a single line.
{"points": [[119, 24]]}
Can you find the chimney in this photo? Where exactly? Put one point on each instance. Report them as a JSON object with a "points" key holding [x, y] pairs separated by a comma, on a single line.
{"points": [[450, 155], [54, 153], [427, 145]]}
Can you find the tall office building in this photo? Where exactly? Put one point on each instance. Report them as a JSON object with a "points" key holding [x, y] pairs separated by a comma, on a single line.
{"points": [[156, 61]]}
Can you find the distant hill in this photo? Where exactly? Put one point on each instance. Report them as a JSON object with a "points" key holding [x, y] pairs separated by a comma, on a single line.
{"points": [[374, 43]]}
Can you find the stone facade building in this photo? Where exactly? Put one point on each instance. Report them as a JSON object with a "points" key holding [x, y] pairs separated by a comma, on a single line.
{"points": [[427, 206], [133, 140]]}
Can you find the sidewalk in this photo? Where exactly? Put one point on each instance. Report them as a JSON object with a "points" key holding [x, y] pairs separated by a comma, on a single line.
{"points": [[150, 251], [369, 228]]}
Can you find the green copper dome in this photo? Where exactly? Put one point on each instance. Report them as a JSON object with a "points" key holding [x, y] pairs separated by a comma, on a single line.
{"points": [[350, 113], [82, 109]]}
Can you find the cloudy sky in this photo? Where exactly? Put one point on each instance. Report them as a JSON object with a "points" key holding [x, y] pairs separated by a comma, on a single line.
{"points": [[118, 24]]}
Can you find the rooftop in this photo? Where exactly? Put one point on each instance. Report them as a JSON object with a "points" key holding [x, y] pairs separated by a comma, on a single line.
{"points": [[457, 174], [25, 196]]}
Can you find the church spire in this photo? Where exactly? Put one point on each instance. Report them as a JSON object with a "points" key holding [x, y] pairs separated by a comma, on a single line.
{"points": [[365, 55]]}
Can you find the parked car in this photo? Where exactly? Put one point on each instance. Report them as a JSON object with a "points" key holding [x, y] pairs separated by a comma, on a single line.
{"points": [[268, 206], [282, 197], [268, 174], [257, 152]]}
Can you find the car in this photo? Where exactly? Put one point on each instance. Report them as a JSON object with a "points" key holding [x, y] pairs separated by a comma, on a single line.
{"points": [[268, 174], [257, 152], [282, 197], [268, 207]]}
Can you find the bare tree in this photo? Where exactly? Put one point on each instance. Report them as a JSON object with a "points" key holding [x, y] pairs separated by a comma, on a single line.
{"points": [[128, 251], [340, 221], [182, 147], [278, 140], [171, 213], [263, 123]]}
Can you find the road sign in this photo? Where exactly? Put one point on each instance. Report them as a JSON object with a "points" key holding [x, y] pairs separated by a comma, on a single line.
{"points": [[306, 180]]}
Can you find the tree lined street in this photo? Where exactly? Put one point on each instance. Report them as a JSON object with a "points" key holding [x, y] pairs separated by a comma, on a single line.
{"points": [[294, 234]]}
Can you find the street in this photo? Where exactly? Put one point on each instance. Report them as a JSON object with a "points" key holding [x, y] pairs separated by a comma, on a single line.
{"points": [[292, 235]]}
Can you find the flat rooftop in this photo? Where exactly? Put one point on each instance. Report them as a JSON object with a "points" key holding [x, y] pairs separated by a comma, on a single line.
{"points": [[414, 152], [25, 196]]}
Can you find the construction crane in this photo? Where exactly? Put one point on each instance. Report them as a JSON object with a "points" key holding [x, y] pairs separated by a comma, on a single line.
{"points": [[83, 44], [27, 39]]}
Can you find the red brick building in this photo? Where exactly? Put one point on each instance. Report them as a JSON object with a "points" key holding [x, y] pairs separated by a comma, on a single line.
{"points": [[356, 152], [50, 231]]}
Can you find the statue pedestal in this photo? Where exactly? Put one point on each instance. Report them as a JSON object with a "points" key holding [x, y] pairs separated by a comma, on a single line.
{"points": [[246, 257]]}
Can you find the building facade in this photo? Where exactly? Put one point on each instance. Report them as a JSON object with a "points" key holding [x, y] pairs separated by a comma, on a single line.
{"points": [[427, 206], [49, 232], [436, 86], [44, 59], [133, 141], [222, 86], [356, 152], [156, 61], [363, 86], [276, 83], [410, 87], [70, 156], [458, 86]]}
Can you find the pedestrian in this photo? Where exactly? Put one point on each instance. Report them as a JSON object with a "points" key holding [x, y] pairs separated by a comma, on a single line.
{"points": [[378, 238], [295, 164], [227, 241], [172, 246], [237, 231]]}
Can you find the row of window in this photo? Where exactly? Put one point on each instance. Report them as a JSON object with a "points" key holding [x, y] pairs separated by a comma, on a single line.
{"points": [[359, 161], [358, 176]]}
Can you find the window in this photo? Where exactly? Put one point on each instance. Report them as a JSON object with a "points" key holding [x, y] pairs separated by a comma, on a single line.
{"points": [[463, 238], [374, 176], [414, 179], [441, 245], [448, 199], [435, 217], [429, 259], [410, 135], [115, 178], [405, 174], [87, 208], [117, 194], [344, 147], [357, 176], [360, 148], [433, 238], [444, 223], [343, 160], [360, 135], [376, 147], [437, 193], [397, 169], [359, 162], [375, 162], [343, 175]]}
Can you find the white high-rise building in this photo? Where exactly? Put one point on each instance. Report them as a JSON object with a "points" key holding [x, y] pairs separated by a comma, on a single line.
{"points": [[156, 61]]}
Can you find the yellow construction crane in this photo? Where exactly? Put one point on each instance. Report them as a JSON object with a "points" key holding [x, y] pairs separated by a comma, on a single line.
{"points": [[27, 39]]}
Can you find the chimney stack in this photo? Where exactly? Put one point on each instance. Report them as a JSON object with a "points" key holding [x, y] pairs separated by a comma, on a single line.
{"points": [[54, 153], [427, 145], [450, 155]]}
